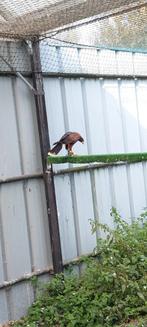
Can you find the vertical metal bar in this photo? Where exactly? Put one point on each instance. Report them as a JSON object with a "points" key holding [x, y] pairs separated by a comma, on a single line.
{"points": [[45, 144]]}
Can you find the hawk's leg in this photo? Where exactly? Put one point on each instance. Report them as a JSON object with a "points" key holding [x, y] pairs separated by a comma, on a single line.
{"points": [[70, 150]]}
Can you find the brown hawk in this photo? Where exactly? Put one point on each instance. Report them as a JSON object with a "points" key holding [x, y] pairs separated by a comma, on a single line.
{"points": [[68, 139]]}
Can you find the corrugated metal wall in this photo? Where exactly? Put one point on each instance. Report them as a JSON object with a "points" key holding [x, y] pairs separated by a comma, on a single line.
{"points": [[111, 116], [24, 233]]}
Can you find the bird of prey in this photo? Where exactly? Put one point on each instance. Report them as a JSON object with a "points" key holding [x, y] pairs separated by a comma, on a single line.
{"points": [[68, 139]]}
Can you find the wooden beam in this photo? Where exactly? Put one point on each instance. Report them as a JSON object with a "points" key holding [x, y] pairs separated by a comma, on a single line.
{"points": [[45, 145]]}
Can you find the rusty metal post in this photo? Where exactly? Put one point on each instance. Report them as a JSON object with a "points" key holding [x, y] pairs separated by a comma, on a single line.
{"points": [[45, 145]]}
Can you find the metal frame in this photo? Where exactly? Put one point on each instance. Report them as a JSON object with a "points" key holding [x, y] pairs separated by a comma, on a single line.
{"points": [[26, 277], [20, 178], [40, 272], [45, 145], [99, 76], [74, 75], [86, 168], [18, 74]]}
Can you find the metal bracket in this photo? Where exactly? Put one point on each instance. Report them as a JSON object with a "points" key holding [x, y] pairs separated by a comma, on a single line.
{"points": [[26, 82], [21, 76]]}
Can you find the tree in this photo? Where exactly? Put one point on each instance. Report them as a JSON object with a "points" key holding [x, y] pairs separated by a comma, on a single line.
{"points": [[128, 30]]}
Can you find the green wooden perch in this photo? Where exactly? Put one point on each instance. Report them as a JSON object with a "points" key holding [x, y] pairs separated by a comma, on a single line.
{"points": [[105, 158]]}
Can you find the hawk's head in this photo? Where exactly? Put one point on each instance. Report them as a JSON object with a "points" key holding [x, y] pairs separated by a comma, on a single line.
{"points": [[81, 139]]}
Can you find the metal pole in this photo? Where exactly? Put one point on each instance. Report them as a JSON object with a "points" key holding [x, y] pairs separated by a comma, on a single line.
{"points": [[45, 145]]}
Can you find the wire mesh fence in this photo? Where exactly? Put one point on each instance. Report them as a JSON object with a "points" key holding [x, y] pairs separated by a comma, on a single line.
{"points": [[57, 57], [14, 56], [76, 37], [63, 58]]}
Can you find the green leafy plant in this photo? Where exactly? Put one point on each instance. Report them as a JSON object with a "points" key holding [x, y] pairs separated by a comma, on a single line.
{"points": [[111, 290]]}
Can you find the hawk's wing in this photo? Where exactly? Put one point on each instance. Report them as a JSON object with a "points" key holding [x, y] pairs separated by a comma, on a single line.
{"points": [[64, 136]]}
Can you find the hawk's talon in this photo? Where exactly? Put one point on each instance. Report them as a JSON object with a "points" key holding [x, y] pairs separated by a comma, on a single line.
{"points": [[71, 153]]}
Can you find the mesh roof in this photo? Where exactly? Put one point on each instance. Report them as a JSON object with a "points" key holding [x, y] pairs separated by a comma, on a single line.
{"points": [[28, 18], [126, 31]]}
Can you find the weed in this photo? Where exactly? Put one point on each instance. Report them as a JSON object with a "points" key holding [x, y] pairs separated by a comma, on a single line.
{"points": [[112, 289]]}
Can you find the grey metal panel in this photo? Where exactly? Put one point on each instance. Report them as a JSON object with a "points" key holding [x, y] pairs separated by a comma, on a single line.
{"points": [[103, 193], [24, 242], [24, 231], [74, 111], [54, 105], [16, 242], [54, 108], [9, 145], [115, 142], [38, 224], [83, 198], [4, 312], [1, 252], [27, 128], [130, 116], [25, 228], [66, 218], [75, 209], [94, 118], [121, 191], [21, 297], [133, 142], [18, 130], [112, 117], [141, 99]]}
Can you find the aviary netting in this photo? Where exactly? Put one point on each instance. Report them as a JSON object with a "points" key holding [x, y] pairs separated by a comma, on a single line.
{"points": [[27, 19], [72, 24]]}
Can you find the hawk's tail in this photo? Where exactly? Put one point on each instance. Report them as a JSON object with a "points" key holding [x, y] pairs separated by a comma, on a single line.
{"points": [[57, 148]]}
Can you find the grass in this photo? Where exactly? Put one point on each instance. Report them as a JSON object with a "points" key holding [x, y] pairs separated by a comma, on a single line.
{"points": [[111, 291], [105, 158]]}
